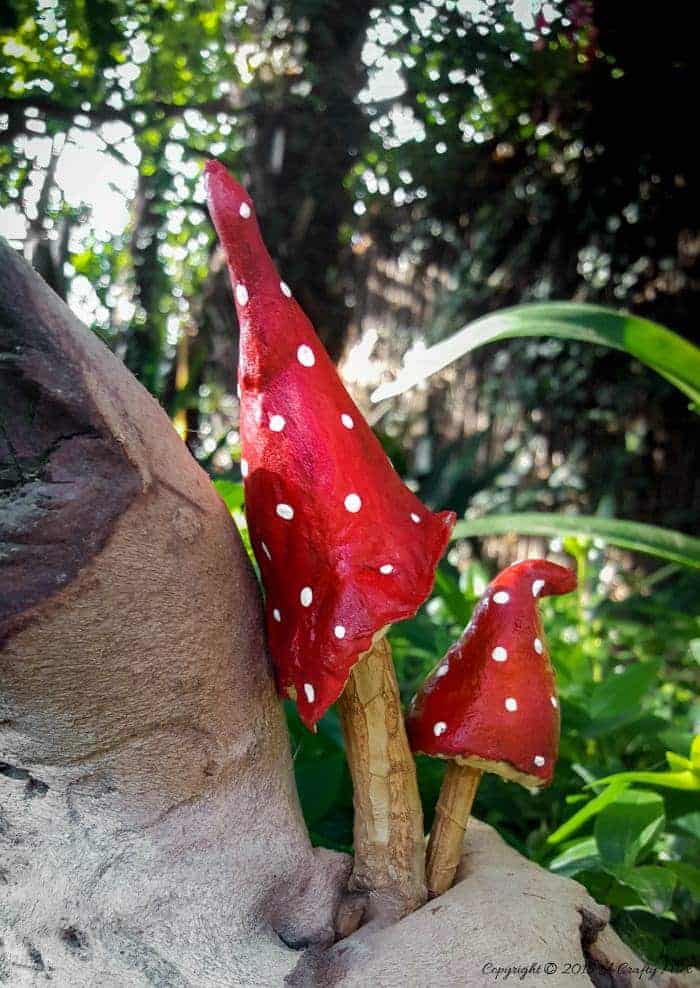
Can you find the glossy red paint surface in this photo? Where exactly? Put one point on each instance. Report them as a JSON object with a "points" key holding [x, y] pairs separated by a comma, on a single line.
{"points": [[494, 696], [344, 547]]}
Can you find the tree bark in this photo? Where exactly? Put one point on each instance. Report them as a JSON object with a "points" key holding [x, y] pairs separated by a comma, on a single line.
{"points": [[148, 816]]}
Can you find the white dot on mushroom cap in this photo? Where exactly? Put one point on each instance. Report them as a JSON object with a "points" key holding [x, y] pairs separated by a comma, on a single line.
{"points": [[305, 356], [353, 503], [501, 597], [443, 670], [276, 615], [244, 468], [310, 692], [306, 596], [386, 569], [266, 550], [277, 423], [499, 654], [554, 702], [285, 511], [538, 760], [241, 294], [439, 728], [539, 648], [339, 631], [536, 587], [285, 289], [414, 517], [347, 421], [244, 210], [511, 704]]}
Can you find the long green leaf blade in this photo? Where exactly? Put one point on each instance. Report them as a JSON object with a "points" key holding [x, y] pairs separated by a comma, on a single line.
{"points": [[664, 351], [636, 536]]}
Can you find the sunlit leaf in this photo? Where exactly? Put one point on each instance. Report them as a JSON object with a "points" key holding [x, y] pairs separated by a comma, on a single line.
{"points": [[579, 856], [670, 355], [586, 813], [654, 885], [649, 539], [688, 781], [625, 828]]}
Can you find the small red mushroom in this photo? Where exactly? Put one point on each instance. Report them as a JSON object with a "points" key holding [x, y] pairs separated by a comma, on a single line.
{"points": [[344, 547], [490, 705]]}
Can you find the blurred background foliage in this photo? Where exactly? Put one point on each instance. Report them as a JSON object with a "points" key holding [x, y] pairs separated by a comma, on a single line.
{"points": [[415, 166]]}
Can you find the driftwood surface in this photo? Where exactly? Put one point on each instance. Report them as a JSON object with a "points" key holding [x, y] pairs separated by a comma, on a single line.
{"points": [[150, 831]]}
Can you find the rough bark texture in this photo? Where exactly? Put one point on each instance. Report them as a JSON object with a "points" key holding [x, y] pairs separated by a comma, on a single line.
{"points": [[388, 829], [149, 827], [451, 818], [150, 834]]}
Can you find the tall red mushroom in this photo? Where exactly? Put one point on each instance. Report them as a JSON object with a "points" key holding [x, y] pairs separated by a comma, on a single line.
{"points": [[490, 705], [344, 547]]}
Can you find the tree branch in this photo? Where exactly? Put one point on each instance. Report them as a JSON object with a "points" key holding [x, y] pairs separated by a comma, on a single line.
{"points": [[108, 114]]}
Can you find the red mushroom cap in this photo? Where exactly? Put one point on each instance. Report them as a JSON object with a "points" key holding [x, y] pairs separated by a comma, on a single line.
{"points": [[492, 701], [344, 547]]}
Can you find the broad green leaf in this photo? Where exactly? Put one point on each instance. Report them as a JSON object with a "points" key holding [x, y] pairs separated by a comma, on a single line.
{"points": [[688, 875], [670, 355], [650, 539], [690, 823], [622, 693], [586, 813], [654, 885], [456, 603], [582, 855], [626, 827]]}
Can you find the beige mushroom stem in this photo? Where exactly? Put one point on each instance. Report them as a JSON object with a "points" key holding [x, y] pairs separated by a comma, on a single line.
{"points": [[388, 829], [451, 818]]}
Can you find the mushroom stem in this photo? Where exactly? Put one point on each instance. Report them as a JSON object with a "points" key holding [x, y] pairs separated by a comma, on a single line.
{"points": [[388, 828], [451, 818]]}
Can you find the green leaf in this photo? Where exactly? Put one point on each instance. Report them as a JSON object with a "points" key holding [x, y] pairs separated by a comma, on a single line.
{"points": [[650, 539], [690, 823], [627, 827], [622, 693], [456, 603], [688, 781], [670, 355], [688, 876], [231, 493], [586, 813], [695, 753], [654, 885], [581, 855]]}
